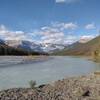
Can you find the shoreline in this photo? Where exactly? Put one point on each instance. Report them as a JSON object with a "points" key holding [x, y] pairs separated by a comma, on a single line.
{"points": [[15, 60], [74, 88]]}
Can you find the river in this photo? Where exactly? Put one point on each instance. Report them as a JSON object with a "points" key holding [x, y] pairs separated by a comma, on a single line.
{"points": [[14, 73]]}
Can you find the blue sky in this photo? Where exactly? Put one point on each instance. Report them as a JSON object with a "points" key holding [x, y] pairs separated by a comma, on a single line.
{"points": [[61, 21]]}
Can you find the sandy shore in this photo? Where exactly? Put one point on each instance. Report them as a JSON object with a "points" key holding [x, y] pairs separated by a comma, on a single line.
{"points": [[75, 88]]}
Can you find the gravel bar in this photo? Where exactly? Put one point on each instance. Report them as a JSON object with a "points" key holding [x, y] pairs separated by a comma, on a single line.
{"points": [[74, 88]]}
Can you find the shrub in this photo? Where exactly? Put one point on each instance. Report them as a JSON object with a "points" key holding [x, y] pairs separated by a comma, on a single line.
{"points": [[32, 84], [96, 55]]}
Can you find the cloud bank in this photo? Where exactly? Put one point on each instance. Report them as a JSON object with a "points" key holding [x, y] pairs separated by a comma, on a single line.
{"points": [[12, 35], [67, 1], [56, 33], [90, 26]]}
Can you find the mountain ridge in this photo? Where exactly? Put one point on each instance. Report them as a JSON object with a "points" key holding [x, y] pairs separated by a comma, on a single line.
{"points": [[81, 48], [38, 47], [8, 50]]}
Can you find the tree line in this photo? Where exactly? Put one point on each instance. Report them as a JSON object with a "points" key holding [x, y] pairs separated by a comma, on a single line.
{"points": [[6, 50]]}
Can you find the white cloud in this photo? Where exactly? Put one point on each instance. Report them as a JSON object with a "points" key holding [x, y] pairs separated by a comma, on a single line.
{"points": [[67, 1], [48, 34], [60, 1], [70, 39], [12, 35], [90, 26], [49, 30], [57, 37], [55, 33], [69, 26], [65, 26], [60, 40], [86, 38], [2, 27], [51, 35]]}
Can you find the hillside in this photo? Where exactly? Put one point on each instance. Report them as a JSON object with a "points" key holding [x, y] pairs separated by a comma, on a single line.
{"points": [[81, 48]]}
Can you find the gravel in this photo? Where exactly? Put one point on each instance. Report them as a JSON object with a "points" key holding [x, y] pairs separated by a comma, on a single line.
{"points": [[75, 88]]}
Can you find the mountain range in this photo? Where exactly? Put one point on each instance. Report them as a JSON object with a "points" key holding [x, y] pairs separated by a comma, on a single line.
{"points": [[79, 48], [13, 47], [8, 50], [37, 47]]}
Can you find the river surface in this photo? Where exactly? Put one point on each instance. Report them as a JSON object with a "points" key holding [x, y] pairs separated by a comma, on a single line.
{"points": [[14, 72]]}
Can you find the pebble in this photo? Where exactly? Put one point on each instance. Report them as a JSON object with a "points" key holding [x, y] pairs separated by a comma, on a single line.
{"points": [[75, 88]]}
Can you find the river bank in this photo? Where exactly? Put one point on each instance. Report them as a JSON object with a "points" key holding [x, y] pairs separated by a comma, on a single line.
{"points": [[75, 88], [14, 60]]}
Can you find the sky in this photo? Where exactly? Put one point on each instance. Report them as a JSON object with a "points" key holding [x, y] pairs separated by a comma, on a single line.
{"points": [[49, 21]]}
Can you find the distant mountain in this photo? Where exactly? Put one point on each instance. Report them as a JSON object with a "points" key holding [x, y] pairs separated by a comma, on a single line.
{"points": [[8, 50], [50, 48], [27, 45], [38, 47], [30, 46], [2, 42], [81, 48]]}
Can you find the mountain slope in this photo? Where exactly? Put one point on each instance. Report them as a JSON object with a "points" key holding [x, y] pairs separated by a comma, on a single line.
{"points": [[33, 46], [82, 48], [7, 50]]}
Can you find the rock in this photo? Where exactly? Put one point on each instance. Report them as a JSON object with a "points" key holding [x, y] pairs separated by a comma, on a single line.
{"points": [[97, 73], [87, 93], [41, 86], [75, 88]]}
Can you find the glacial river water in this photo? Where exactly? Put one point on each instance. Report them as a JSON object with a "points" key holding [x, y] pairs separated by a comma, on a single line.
{"points": [[14, 72]]}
